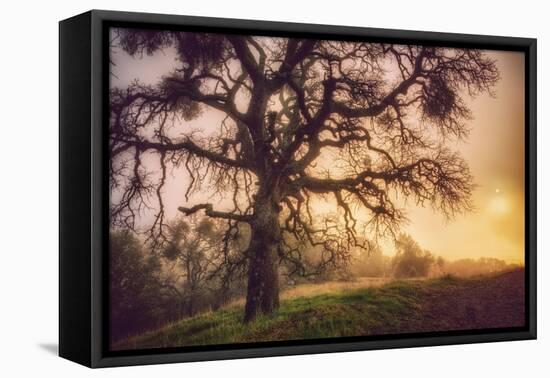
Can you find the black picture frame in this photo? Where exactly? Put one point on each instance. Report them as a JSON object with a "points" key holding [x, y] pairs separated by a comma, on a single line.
{"points": [[83, 196]]}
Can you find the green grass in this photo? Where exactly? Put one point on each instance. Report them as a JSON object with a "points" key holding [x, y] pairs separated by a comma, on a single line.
{"points": [[346, 313]]}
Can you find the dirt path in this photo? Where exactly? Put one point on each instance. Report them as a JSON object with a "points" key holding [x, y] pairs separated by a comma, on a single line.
{"points": [[485, 303]]}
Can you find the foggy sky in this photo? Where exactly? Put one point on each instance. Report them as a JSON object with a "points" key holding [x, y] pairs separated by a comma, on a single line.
{"points": [[494, 152]]}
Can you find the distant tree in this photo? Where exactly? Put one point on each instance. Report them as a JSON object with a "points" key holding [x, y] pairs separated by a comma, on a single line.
{"points": [[134, 286], [440, 264], [194, 245], [380, 111], [410, 260], [372, 263], [473, 267]]}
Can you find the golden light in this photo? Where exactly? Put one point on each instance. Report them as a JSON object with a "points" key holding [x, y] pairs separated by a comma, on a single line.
{"points": [[499, 205]]}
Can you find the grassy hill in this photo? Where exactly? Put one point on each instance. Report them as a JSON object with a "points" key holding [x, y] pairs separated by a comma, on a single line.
{"points": [[396, 307]]}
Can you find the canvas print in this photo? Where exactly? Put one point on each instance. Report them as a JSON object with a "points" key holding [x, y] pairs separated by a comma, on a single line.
{"points": [[273, 189]]}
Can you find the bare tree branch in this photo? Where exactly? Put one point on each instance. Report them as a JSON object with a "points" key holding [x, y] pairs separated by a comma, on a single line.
{"points": [[208, 210]]}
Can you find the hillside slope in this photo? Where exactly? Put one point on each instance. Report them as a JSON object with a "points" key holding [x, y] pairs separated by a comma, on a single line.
{"points": [[397, 307]]}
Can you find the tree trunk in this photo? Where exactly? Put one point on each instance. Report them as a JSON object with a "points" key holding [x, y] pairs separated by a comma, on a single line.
{"points": [[263, 276]]}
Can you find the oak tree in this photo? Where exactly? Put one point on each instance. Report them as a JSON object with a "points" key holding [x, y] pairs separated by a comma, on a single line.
{"points": [[362, 124]]}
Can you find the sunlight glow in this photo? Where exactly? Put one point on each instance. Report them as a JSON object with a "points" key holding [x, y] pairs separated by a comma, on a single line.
{"points": [[499, 205]]}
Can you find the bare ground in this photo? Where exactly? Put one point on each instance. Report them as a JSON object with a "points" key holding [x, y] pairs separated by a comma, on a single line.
{"points": [[480, 303]]}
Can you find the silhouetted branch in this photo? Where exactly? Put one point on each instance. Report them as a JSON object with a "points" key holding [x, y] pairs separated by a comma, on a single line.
{"points": [[208, 210]]}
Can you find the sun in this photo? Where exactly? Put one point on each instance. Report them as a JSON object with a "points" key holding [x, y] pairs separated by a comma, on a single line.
{"points": [[499, 204]]}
